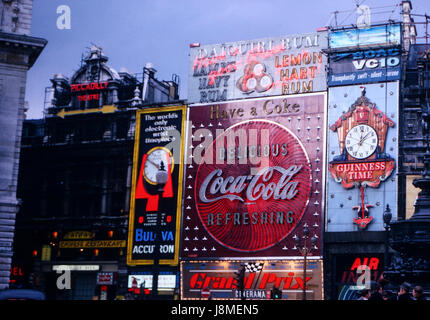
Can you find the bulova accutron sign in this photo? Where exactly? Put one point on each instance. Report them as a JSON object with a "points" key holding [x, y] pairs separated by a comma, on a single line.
{"points": [[155, 208], [253, 175]]}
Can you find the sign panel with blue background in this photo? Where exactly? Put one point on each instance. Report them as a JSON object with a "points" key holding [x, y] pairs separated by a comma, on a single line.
{"points": [[364, 66], [385, 35]]}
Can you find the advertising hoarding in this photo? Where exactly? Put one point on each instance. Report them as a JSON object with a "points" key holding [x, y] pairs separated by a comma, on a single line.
{"points": [[362, 152], [256, 68], [156, 197], [349, 273], [254, 176], [136, 281], [261, 277], [375, 36], [364, 66]]}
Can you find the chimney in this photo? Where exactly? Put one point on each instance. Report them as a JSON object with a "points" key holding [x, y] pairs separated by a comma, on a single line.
{"points": [[409, 29]]}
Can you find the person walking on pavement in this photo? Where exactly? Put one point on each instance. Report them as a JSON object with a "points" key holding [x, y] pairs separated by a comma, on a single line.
{"points": [[365, 294], [375, 292], [403, 294], [417, 293]]}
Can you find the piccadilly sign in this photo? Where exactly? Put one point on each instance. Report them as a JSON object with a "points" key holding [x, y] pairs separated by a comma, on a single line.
{"points": [[88, 91]]}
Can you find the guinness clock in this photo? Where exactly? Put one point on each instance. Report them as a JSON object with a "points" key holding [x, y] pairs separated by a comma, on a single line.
{"points": [[361, 141]]}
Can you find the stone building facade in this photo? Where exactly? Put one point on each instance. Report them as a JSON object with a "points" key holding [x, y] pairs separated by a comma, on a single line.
{"points": [[18, 53]]}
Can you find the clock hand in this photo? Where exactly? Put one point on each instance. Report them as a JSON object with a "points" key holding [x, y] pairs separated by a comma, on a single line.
{"points": [[353, 144], [363, 138], [153, 163], [369, 144]]}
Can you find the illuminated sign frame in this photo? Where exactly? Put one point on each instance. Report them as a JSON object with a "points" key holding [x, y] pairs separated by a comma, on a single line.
{"points": [[76, 88], [382, 35], [287, 65], [144, 205], [305, 116], [364, 66], [92, 244], [76, 267], [218, 277], [358, 203]]}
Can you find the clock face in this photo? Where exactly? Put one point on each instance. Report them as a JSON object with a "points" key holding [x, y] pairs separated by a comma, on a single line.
{"points": [[157, 160], [361, 141]]}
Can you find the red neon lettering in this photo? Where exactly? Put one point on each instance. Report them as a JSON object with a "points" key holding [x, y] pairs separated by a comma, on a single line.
{"points": [[299, 282], [89, 86], [356, 264], [201, 280], [193, 281], [249, 280], [373, 263]]}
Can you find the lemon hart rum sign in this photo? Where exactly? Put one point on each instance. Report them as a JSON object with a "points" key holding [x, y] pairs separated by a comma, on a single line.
{"points": [[363, 161], [253, 176]]}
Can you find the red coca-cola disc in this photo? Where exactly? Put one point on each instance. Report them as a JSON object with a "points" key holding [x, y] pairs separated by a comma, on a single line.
{"points": [[253, 185]]}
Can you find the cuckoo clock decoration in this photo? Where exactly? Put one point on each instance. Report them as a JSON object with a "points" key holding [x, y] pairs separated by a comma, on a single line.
{"points": [[362, 133]]}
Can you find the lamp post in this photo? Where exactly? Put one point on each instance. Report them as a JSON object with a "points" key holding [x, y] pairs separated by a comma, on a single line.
{"points": [[304, 251], [387, 220]]}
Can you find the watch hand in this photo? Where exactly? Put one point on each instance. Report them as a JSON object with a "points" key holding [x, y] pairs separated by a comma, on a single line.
{"points": [[153, 163]]}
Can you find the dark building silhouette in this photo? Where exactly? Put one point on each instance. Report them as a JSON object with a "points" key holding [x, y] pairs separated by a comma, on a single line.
{"points": [[75, 178]]}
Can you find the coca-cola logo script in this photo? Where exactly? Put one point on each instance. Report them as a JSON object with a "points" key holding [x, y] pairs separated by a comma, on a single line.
{"points": [[253, 185]]}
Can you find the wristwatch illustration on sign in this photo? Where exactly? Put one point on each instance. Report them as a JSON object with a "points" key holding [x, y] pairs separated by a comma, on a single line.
{"points": [[156, 165], [362, 163], [155, 177]]}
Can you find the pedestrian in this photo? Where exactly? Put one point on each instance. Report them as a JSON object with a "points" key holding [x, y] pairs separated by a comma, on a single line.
{"points": [[388, 295], [375, 292], [403, 294], [365, 294], [418, 293]]}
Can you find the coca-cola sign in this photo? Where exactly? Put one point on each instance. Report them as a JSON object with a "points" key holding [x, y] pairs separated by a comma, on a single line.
{"points": [[240, 203], [254, 176]]}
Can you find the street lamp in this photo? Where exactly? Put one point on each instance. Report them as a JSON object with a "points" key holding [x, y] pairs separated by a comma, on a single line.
{"points": [[387, 220], [304, 251]]}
